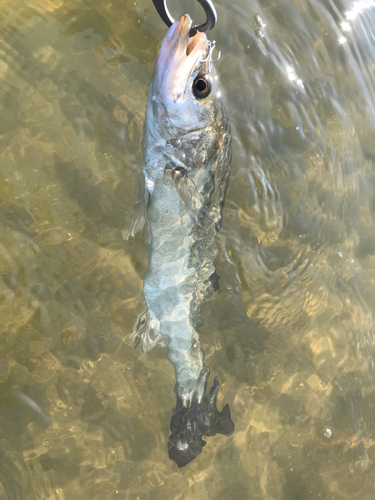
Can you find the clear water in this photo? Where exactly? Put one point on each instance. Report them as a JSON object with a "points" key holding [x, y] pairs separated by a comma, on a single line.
{"points": [[290, 334]]}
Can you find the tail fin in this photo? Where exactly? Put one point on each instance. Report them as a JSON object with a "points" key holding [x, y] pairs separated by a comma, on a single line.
{"points": [[190, 424]]}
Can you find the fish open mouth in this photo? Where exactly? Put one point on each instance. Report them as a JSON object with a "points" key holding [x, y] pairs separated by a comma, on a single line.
{"points": [[179, 56]]}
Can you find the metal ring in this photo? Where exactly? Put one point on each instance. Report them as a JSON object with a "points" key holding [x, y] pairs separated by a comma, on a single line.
{"points": [[209, 9]]}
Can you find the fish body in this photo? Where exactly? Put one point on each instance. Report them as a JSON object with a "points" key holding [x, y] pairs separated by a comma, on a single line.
{"points": [[187, 152]]}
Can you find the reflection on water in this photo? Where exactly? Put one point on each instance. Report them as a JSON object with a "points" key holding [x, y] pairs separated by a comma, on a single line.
{"points": [[290, 333]]}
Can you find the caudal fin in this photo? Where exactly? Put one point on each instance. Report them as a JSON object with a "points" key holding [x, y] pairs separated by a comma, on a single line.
{"points": [[190, 424]]}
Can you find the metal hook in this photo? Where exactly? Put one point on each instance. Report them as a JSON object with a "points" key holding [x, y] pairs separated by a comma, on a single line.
{"points": [[209, 9], [208, 59]]}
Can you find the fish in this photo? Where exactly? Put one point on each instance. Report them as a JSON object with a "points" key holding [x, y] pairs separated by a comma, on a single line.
{"points": [[187, 150]]}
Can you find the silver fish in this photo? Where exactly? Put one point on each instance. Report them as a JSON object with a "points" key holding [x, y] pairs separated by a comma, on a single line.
{"points": [[187, 151]]}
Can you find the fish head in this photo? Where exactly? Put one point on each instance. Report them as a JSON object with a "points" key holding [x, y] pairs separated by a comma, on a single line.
{"points": [[184, 94]]}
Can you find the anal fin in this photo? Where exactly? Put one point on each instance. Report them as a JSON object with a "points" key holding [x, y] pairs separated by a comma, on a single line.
{"points": [[146, 334]]}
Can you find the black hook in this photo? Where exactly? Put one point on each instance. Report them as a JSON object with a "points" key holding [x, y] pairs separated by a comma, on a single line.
{"points": [[209, 9]]}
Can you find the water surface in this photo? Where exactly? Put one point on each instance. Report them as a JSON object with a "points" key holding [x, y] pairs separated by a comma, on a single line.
{"points": [[290, 333]]}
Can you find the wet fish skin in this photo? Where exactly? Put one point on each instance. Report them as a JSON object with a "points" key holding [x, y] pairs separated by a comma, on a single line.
{"points": [[187, 151]]}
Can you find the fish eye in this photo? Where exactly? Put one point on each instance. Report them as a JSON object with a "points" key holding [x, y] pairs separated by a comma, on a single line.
{"points": [[202, 86], [179, 173]]}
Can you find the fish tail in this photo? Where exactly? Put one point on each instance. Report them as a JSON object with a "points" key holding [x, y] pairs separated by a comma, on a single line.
{"points": [[201, 418]]}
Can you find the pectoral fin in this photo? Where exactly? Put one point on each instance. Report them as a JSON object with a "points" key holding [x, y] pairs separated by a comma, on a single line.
{"points": [[139, 217]]}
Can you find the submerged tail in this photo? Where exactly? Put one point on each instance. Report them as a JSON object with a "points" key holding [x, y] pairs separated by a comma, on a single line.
{"points": [[190, 424], [195, 414]]}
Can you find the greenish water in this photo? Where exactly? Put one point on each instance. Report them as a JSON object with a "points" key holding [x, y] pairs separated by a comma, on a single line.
{"points": [[290, 333]]}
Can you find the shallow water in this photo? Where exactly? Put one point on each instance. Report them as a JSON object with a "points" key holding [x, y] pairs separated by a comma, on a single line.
{"points": [[290, 333]]}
